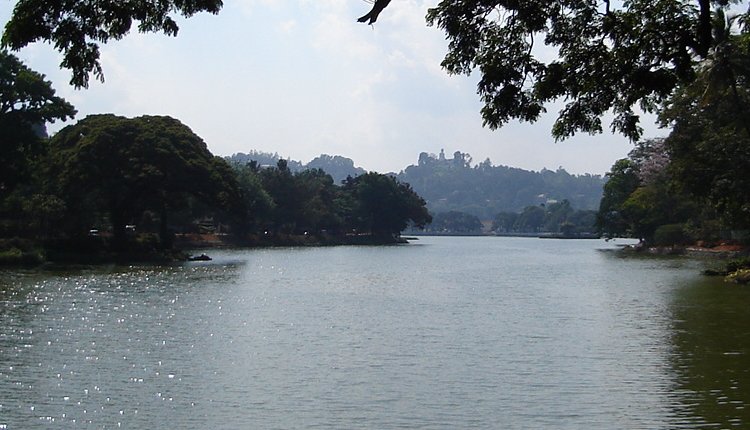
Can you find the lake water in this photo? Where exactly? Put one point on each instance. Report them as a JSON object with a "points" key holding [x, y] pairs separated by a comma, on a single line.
{"points": [[442, 333]]}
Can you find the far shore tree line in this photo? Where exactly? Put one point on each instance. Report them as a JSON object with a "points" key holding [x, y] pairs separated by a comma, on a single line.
{"points": [[451, 185], [547, 218]]}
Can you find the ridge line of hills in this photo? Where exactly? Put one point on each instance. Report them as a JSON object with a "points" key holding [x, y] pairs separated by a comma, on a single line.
{"points": [[454, 184]]}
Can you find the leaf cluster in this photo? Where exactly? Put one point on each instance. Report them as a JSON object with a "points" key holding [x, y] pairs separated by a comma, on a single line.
{"points": [[76, 28], [27, 103], [598, 58]]}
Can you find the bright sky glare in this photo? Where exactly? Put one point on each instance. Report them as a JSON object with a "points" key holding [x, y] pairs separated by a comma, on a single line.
{"points": [[303, 78]]}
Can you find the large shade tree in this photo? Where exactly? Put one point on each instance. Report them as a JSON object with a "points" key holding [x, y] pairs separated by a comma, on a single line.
{"points": [[123, 167], [27, 103], [384, 206]]}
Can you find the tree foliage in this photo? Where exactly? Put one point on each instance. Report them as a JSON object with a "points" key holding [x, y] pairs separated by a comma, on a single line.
{"points": [[694, 182], [76, 28], [623, 180], [308, 203], [556, 217], [302, 202], [710, 139], [454, 222], [642, 195], [256, 202], [598, 57], [27, 103], [384, 206], [125, 167]]}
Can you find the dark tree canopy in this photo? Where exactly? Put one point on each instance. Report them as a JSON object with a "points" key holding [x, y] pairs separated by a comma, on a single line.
{"points": [[453, 222], [643, 199], [76, 28], [605, 56], [26, 97], [124, 166], [709, 145], [623, 181], [27, 102], [384, 206]]}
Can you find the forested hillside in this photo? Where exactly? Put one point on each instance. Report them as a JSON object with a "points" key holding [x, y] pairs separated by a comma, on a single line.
{"points": [[453, 184], [335, 165], [485, 190]]}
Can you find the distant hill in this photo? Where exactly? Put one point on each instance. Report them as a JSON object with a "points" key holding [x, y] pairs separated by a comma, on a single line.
{"points": [[335, 165], [453, 184], [263, 159]]}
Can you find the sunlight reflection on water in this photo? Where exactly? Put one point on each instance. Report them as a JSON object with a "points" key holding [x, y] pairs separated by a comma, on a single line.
{"points": [[453, 333]]}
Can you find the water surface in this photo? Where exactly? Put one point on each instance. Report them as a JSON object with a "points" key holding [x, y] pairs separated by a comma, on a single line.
{"points": [[444, 333]]}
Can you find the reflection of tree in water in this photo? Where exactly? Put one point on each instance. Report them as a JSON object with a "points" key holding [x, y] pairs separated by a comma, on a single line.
{"points": [[711, 356]]}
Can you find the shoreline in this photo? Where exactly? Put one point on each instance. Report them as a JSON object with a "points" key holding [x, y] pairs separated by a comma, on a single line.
{"points": [[28, 253]]}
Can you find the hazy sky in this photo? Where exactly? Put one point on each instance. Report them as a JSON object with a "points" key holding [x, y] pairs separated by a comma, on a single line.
{"points": [[302, 78]]}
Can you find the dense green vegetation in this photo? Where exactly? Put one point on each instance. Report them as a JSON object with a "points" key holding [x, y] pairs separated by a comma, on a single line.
{"points": [[557, 217], [27, 103], [111, 172], [454, 222], [129, 187], [694, 184], [452, 184], [280, 203]]}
